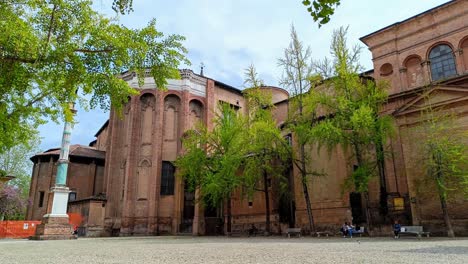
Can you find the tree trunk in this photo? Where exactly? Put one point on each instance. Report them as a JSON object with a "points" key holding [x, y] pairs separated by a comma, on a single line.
{"points": [[383, 182], [367, 211], [306, 191], [228, 209], [359, 160], [443, 198], [448, 222], [267, 203]]}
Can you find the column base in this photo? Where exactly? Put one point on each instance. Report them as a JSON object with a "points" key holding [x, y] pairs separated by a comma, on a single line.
{"points": [[54, 228]]}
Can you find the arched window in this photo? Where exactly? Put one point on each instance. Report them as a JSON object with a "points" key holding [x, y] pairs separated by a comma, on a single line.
{"points": [[442, 62], [167, 178]]}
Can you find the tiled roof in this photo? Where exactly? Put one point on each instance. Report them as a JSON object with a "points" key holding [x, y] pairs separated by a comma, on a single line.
{"points": [[76, 151]]}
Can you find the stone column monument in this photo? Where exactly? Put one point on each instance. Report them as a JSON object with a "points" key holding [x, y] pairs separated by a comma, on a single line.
{"points": [[55, 225]]}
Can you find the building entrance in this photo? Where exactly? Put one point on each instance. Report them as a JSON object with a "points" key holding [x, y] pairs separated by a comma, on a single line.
{"points": [[188, 211]]}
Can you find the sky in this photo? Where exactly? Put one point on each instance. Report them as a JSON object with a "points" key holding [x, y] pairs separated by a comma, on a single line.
{"points": [[229, 35]]}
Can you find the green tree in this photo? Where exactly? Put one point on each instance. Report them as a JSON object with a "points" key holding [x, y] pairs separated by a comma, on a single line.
{"points": [[297, 74], [15, 193], [444, 155], [51, 49], [321, 10], [267, 150], [211, 160], [15, 161], [351, 105], [122, 6]]}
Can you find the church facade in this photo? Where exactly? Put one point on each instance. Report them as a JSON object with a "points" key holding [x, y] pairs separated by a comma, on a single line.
{"points": [[124, 183]]}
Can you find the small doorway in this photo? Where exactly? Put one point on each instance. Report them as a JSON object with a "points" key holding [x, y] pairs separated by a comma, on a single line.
{"points": [[188, 212], [355, 200], [213, 221]]}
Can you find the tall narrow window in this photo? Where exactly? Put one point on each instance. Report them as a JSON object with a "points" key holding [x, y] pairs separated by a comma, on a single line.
{"points": [[442, 62], [41, 199], [167, 178]]}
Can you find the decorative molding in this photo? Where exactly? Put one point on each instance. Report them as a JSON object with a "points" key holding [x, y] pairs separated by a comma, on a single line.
{"points": [[145, 163], [189, 81]]}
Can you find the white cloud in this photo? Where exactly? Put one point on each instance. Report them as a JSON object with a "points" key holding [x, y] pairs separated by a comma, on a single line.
{"points": [[229, 35]]}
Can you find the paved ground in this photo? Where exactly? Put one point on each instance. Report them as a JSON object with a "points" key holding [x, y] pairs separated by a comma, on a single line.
{"points": [[235, 250]]}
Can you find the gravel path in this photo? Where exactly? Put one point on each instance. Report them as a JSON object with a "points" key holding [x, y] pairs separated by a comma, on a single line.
{"points": [[235, 250]]}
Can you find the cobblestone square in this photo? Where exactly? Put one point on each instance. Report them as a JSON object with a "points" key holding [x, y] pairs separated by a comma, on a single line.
{"points": [[235, 250]]}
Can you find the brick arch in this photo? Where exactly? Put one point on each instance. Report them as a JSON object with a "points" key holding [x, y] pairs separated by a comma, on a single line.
{"points": [[128, 105], [171, 99], [196, 112], [143, 175], [171, 117], [145, 163], [412, 56], [147, 100], [463, 46], [414, 71]]}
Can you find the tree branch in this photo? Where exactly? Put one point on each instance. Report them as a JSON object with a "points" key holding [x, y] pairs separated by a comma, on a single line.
{"points": [[17, 59], [106, 50]]}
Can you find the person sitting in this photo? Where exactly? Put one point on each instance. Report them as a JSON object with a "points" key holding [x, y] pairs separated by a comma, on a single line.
{"points": [[253, 230], [396, 229], [350, 229], [344, 229]]}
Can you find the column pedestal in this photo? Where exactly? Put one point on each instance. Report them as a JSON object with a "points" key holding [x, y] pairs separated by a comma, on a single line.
{"points": [[55, 225]]}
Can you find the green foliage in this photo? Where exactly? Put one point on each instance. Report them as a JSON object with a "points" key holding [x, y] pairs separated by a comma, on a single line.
{"points": [[15, 193], [351, 104], [299, 81], [266, 149], [15, 161], [321, 10], [122, 6], [444, 153], [297, 73], [51, 49], [212, 159]]}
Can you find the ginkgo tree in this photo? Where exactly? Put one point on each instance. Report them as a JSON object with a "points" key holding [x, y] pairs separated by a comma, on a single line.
{"points": [[211, 160], [443, 153], [51, 49], [351, 118], [267, 152], [297, 79]]}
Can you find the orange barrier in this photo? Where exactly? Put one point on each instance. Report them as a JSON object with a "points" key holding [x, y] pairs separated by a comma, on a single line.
{"points": [[75, 219], [18, 229]]}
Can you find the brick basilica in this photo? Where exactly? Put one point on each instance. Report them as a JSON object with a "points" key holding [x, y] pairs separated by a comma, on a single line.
{"points": [[124, 182]]}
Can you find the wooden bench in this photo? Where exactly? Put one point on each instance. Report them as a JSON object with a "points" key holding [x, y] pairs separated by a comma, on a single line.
{"points": [[360, 231], [293, 231], [413, 230]]}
